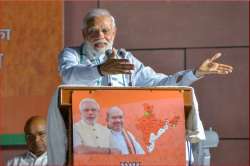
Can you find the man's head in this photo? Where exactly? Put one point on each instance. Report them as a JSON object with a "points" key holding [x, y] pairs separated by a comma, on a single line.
{"points": [[115, 118], [89, 109], [99, 30], [36, 135]]}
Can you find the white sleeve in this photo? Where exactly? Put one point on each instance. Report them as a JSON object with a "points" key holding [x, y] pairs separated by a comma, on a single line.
{"points": [[76, 138], [57, 136], [10, 162], [72, 72], [146, 76]]}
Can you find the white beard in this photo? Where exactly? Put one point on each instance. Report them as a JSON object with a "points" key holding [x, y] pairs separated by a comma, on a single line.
{"points": [[92, 51]]}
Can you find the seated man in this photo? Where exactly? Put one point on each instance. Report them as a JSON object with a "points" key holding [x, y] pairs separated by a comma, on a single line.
{"points": [[90, 137], [124, 140], [36, 138]]}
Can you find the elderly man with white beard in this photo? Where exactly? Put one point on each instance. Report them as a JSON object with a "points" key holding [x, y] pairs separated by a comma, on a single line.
{"points": [[88, 65], [90, 137]]}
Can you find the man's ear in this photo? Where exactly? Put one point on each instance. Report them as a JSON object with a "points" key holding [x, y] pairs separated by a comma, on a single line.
{"points": [[84, 33], [114, 32]]}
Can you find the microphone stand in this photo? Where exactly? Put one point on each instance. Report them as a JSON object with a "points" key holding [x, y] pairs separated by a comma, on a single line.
{"points": [[108, 53], [122, 53]]}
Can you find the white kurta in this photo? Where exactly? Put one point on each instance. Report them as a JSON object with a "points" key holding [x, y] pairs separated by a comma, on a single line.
{"points": [[121, 144], [94, 136], [29, 159]]}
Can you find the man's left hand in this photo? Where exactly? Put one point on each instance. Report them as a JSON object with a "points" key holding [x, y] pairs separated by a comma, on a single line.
{"points": [[211, 67]]}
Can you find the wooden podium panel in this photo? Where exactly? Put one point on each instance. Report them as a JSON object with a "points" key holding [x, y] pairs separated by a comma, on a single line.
{"points": [[65, 105]]}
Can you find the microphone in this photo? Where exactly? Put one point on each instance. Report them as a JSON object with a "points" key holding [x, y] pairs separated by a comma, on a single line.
{"points": [[108, 53], [122, 53]]}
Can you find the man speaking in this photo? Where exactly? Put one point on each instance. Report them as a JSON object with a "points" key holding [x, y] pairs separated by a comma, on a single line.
{"points": [[97, 63], [88, 65]]}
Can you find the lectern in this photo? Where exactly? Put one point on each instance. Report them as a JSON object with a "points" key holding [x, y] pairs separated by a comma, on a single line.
{"points": [[167, 107]]}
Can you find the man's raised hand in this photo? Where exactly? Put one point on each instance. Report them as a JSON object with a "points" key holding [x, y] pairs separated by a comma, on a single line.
{"points": [[209, 66]]}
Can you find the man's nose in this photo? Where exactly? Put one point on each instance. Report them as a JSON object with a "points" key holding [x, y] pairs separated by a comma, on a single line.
{"points": [[37, 138], [117, 120], [90, 112], [100, 33]]}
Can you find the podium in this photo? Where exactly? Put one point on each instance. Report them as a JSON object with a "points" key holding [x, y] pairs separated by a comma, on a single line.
{"points": [[65, 104]]}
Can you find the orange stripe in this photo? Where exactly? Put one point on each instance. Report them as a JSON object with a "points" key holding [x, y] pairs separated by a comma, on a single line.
{"points": [[129, 142]]}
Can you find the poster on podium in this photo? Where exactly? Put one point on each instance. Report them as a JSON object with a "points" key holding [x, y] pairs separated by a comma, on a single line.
{"points": [[128, 127]]}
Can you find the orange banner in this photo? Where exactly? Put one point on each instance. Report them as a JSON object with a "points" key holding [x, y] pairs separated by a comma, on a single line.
{"points": [[154, 118], [31, 37]]}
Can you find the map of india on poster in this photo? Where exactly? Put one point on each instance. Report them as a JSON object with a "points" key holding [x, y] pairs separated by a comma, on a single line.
{"points": [[128, 127]]}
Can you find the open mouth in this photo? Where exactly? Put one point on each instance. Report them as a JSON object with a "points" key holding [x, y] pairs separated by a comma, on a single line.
{"points": [[100, 45]]}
